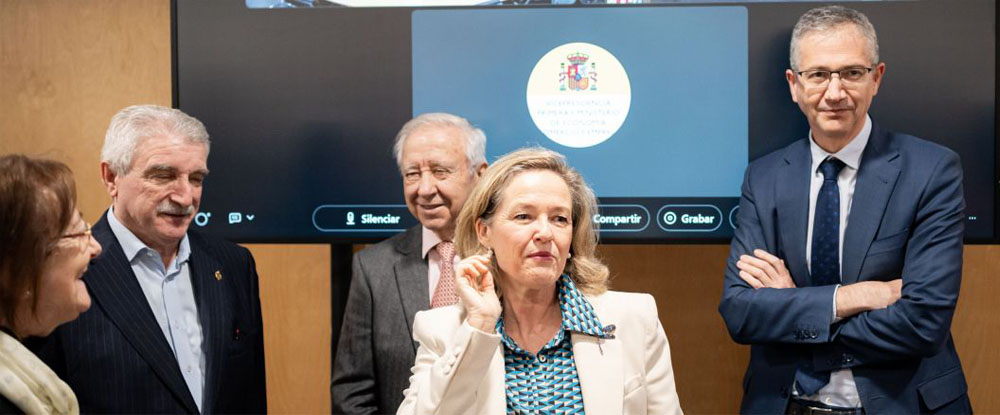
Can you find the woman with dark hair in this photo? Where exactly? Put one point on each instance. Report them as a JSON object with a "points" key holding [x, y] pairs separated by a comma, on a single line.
{"points": [[45, 247]]}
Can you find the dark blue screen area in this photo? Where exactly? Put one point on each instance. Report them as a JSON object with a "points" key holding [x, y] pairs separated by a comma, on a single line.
{"points": [[303, 104]]}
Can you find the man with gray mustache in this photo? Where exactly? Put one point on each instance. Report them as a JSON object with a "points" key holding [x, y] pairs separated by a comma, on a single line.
{"points": [[176, 323], [170, 208]]}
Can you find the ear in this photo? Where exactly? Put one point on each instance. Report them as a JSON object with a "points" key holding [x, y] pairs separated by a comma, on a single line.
{"points": [[110, 179], [791, 77], [482, 232], [480, 170], [877, 76]]}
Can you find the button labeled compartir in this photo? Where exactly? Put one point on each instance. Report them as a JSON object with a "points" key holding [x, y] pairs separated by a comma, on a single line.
{"points": [[362, 218], [689, 218], [621, 218]]}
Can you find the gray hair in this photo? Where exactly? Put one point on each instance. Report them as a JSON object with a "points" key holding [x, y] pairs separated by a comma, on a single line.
{"points": [[475, 139], [135, 124], [829, 17]]}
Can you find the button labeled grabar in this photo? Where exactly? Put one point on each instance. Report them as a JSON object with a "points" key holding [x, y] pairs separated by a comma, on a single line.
{"points": [[689, 218], [362, 218]]}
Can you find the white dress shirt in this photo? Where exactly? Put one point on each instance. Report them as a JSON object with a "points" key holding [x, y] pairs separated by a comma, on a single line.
{"points": [[841, 391], [171, 298]]}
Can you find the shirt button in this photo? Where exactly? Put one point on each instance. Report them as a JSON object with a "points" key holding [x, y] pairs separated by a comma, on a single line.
{"points": [[541, 358]]}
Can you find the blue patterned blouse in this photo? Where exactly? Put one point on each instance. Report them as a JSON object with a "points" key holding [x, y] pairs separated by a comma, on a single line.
{"points": [[548, 382]]}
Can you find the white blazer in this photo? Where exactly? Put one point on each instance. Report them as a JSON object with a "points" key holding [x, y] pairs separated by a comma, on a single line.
{"points": [[460, 369]]}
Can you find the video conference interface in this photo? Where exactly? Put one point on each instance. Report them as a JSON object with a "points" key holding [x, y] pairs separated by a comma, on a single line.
{"points": [[659, 107]]}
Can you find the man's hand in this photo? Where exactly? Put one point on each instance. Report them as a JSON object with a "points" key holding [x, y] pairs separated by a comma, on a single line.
{"points": [[764, 270], [867, 295]]}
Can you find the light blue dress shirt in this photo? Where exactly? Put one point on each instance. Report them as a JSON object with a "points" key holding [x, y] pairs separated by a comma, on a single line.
{"points": [[171, 298]]}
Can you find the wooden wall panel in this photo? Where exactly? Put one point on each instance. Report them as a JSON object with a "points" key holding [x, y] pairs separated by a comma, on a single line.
{"points": [[976, 327], [66, 67], [295, 302]]}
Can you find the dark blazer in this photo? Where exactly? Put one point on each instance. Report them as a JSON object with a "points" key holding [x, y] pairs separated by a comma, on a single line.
{"points": [[117, 360], [376, 349], [906, 221]]}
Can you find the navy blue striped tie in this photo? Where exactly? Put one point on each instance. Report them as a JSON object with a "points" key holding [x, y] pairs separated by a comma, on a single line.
{"points": [[824, 266]]}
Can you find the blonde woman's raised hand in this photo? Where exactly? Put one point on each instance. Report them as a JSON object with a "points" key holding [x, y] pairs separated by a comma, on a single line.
{"points": [[478, 293]]}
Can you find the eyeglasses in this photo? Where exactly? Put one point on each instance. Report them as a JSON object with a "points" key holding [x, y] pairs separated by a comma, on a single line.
{"points": [[86, 232], [819, 78]]}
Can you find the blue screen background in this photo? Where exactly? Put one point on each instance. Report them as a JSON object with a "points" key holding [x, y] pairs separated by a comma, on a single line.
{"points": [[686, 131]]}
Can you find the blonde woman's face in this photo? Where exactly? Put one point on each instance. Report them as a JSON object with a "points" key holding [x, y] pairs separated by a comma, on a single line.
{"points": [[62, 295], [531, 230]]}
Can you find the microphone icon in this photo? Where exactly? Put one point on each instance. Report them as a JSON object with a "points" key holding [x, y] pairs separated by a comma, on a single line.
{"points": [[350, 218]]}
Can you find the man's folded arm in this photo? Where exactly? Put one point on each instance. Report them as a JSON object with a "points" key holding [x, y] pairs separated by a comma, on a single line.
{"points": [[920, 322], [768, 315]]}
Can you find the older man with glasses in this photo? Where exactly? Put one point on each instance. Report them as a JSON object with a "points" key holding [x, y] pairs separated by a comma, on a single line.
{"points": [[844, 272]]}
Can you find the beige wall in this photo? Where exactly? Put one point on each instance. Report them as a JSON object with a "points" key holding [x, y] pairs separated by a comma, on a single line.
{"points": [[66, 67]]}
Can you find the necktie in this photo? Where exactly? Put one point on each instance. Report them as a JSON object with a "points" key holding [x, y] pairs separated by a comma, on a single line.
{"points": [[444, 293], [825, 262], [824, 267]]}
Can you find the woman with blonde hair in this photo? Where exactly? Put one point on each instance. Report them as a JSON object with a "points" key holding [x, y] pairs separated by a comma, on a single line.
{"points": [[45, 247], [536, 330]]}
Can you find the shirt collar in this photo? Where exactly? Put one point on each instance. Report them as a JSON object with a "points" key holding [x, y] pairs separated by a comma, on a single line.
{"points": [[577, 316], [850, 154], [133, 246], [577, 313], [429, 241]]}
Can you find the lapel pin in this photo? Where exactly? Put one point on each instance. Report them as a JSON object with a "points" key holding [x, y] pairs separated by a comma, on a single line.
{"points": [[609, 331], [218, 275]]}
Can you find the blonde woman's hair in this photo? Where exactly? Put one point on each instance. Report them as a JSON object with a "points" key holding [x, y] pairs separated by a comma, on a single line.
{"points": [[586, 270]]}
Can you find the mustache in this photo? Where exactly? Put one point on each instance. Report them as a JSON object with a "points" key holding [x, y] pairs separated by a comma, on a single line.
{"points": [[171, 208]]}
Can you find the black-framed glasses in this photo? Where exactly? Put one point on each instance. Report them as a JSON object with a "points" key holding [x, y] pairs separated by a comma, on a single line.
{"points": [[86, 232], [820, 77]]}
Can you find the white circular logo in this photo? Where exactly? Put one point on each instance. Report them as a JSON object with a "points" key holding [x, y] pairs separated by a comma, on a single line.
{"points": [[579, 94]]}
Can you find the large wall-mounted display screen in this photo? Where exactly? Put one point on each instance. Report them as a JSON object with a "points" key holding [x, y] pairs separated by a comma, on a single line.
{"points": [[660, 107]]}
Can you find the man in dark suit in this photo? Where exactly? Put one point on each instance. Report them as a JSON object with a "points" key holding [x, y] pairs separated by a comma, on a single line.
{"points": [[175, 325], [440, 157], [844, 271]]}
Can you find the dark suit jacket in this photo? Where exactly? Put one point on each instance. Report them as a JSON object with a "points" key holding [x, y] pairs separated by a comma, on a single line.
{"points": [[376, 349], [906, 221], [117, 360]]}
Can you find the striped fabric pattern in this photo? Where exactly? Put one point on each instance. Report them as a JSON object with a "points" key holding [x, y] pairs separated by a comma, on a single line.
{"points": [[117, 360], [548, 382]]}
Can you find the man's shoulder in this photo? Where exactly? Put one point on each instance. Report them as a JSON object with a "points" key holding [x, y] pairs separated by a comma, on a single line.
{"points": [[916, 147], [392, 247], [780, 157], [217, 247]]}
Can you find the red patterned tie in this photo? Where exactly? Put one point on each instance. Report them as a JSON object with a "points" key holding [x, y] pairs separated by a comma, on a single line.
{"points": [[444, 293]]}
